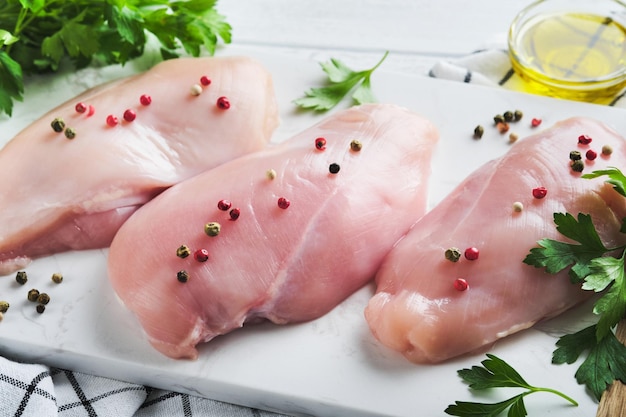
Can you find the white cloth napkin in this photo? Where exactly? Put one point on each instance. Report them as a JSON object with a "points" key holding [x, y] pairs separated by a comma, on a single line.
{"points": [[29, 390], [492, 67]]}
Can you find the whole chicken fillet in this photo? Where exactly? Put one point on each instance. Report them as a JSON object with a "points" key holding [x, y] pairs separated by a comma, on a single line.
{"points": [[418, 311], [305, 239], [60, 194]]}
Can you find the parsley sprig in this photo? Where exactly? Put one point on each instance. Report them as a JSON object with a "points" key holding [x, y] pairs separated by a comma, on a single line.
{"points": [[496, 373], [597, 269], [342, 80], [36, 35]]}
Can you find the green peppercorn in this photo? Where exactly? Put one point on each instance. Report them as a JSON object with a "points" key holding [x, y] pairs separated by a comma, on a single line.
{"points": [[57, 278], [607, 150], [21, 277], [508, 116], [517, 115], [40, 308], [578, 165], [479, 131], [70, 133], [356, 146], [453, 254], [183, 276], [498, 118], [43, 298], [183, 251], [58, 125], [4, 306], [33, 295], [212, 229], [575, 155]]}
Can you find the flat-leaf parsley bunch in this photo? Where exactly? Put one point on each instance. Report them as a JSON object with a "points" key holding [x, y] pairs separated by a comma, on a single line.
{"points": [[599, 269], [35, 35]]}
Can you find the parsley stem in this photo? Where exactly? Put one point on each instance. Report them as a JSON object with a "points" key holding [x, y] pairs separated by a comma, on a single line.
{"points": [[379, 62], [553, 391]]}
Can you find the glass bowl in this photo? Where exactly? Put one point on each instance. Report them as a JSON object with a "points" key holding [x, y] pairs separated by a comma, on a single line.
{"points": [[573, 49]]}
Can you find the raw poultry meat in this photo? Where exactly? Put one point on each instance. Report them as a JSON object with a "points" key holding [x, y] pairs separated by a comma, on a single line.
{"points": [[422, 311], [316, 215], [59, 193]]}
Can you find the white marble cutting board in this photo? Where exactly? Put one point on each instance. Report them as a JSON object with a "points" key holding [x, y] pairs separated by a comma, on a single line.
{"points": [[328, 367]]}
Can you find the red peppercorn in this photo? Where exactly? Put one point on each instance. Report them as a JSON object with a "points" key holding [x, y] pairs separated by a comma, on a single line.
{"points": [[584, 140], [535, 122], [234, 214], [112, 120], [540, 192], [460, 284], [204, 80], [223, 103], [201, 255], [91, 111], [224, 205], [591, 154], [471, 254], [145, 100], [283, 203], [81, 108], [130, 115], [320, 144]]}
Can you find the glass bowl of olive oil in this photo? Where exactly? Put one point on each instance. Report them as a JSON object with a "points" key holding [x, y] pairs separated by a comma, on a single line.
{"points": [[572, 49]]}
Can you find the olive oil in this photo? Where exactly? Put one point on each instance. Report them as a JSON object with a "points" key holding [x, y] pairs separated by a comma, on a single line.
{"points": [[571, 55]]}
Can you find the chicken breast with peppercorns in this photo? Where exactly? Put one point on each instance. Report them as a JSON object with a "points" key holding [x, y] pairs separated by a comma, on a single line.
{"points": [[284, 234], [73, 177], [457, 282]]}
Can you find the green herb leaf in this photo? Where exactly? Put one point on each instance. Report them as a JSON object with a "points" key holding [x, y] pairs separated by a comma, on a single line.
{"points": [[605, 362], [11, 83], [496, 373], [341, 81], [616, 178], [556, 256], [471, 409], [6, 38]]}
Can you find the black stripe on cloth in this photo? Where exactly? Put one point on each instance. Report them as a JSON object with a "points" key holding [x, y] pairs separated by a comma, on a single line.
{"points": [[618, 98], [81, 395], [21, 384], [69, 406], [507, 76], [30, 389], [186, 405], [184, 398]]}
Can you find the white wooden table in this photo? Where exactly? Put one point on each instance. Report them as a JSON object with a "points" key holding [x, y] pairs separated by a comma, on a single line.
{"points": [[418, 33]]}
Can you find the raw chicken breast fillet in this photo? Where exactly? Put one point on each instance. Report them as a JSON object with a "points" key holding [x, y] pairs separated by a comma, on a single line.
{"points": [[282, 264], [417, 310], [59, 194]]}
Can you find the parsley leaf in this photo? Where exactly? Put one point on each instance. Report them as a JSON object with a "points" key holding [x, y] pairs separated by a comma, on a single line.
{"points": [[496, 373], [616, 178], [605, 362], [608, 272], [342, 80], [556, 256], [11, 84]]}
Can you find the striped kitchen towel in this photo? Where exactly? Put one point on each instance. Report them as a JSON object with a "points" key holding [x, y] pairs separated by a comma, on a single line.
{"points": [[492, 67], [29, 390]]}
